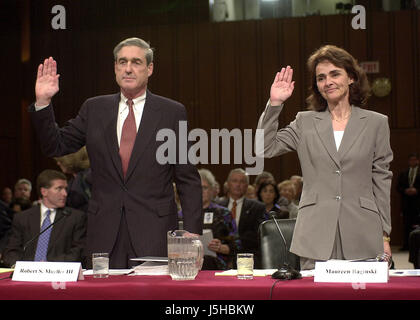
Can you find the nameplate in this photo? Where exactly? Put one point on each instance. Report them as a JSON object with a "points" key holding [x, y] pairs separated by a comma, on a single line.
{"points": [[351, 272], [47, 271]]}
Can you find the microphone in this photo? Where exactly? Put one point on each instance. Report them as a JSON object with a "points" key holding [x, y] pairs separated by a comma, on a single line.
{"points": [[286, 272], [65, 213]]}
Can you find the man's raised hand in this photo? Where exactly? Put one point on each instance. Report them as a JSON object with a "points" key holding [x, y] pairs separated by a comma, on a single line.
{"points": [[46, 85]]}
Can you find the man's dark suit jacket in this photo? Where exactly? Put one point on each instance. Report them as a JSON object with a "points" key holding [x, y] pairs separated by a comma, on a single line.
{"points": [[410, 204], [146, 193], [67, 239], [252, 214]]}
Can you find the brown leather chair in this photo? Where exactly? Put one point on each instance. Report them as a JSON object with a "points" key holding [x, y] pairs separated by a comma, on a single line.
{"points": [[272, 244]]}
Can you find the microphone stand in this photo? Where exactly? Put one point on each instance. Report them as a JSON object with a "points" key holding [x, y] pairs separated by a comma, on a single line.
{"points": [[286, 272]]}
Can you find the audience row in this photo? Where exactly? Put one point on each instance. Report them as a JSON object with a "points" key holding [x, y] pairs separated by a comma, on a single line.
{"points": [[233, 216]]}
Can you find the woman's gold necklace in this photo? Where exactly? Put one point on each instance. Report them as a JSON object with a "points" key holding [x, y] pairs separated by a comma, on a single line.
{"points": [[341, 120]]}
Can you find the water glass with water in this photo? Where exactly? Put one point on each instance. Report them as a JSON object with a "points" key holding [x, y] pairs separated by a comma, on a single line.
{"points": [[100, 265], [245, 266]]}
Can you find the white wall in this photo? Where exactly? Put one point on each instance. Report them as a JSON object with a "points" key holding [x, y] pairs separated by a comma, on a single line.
{"points": [[232, 10], [309, 7]]}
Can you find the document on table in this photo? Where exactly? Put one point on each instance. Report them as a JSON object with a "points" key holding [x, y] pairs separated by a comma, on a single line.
{"points": [[112, 272], [404, 273], [151, 258], [257, 272], [151, 268], [5, 270]]}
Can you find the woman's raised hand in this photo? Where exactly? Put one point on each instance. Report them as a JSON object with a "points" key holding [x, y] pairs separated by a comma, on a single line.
{"points": [[282, 87]]}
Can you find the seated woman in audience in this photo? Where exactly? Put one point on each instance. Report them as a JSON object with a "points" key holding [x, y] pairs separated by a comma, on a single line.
{"points": [[269, 195], [225, 243], [287, 190]]}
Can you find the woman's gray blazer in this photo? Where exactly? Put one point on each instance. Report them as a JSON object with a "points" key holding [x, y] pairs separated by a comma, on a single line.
{"points": [[348, 188]]}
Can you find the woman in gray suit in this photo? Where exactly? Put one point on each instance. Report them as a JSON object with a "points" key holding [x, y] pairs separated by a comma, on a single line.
{"points": [[344, 153]]}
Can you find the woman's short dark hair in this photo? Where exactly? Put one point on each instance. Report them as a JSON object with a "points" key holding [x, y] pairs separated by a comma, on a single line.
{"points": [[359, 90], [265, 184]]}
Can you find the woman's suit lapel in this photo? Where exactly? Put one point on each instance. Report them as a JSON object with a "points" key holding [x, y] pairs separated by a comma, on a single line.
{"points": [[324, 129], [355, 126]]}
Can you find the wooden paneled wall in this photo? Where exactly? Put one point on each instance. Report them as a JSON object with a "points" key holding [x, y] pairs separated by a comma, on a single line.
{"points": [[11, 86], [222, 73]]}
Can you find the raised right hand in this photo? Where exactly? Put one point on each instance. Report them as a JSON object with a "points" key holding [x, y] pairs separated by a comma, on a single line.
{"points": [[46, 85], [282, 87]]}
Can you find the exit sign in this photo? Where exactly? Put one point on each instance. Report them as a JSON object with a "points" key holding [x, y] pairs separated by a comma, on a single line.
{"points": [[370, 66]]}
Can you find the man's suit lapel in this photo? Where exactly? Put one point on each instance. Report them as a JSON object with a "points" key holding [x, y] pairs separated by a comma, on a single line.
{"points": [[325, 132], [110, 117], [33, 231], [147, 128], [57, 228], [354, 128], [244, 212], [417, 178]]}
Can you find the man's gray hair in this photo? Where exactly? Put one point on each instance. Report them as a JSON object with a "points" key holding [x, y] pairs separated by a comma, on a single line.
{"points": [[208, 176], [24, 181], [138, 43], [238, 170]]}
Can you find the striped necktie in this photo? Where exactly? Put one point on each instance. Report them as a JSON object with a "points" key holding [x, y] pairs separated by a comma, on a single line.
{"points": [[44, 239]]}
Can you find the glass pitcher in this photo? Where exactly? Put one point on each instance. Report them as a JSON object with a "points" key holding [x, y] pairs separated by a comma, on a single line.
{"points": [[185, 255]]}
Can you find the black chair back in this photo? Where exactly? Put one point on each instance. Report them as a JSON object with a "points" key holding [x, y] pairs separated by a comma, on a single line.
{"points": [[272, 244]]}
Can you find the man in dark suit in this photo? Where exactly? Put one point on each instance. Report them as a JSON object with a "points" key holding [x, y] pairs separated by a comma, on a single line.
{"points": [[409, 188], [64, 241], [132, 205], [6, 217], [247, 213]]}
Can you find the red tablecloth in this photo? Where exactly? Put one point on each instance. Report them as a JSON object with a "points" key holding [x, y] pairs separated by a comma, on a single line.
{"points": [[207, 286]]}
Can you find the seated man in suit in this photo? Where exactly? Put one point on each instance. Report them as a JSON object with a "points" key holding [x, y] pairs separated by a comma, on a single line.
{"points": [[408, 186], [64, 241], [6, 217], [247, 213]]}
